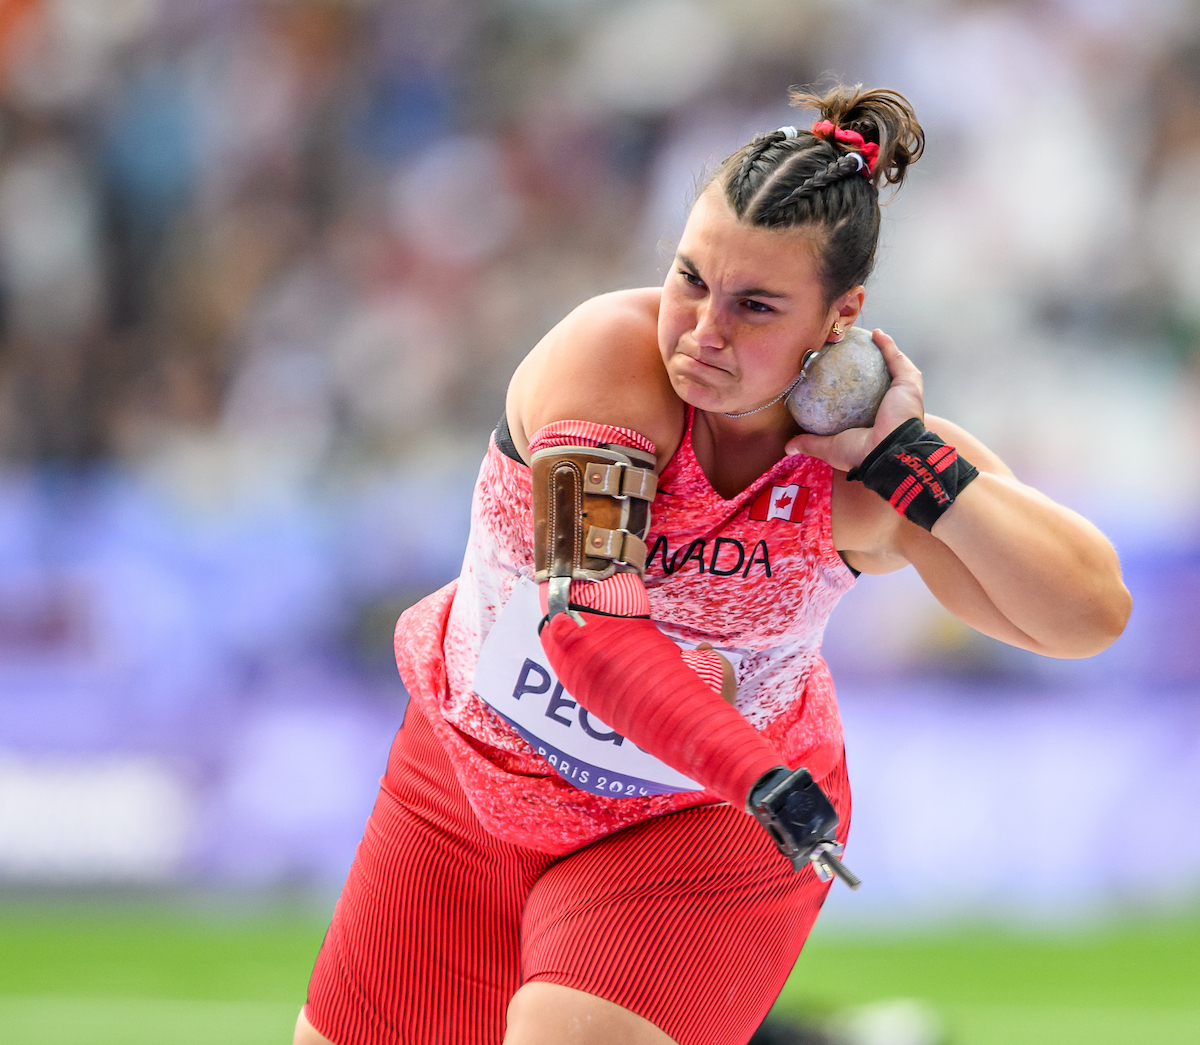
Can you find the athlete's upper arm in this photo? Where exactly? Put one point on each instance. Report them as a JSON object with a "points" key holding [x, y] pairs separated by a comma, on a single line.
{"points": [[601, 364], [956, 588]]}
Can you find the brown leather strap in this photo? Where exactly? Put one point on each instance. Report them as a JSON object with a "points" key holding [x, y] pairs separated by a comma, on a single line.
{"points": [[566, 505], [618, 480], [619, 545]]}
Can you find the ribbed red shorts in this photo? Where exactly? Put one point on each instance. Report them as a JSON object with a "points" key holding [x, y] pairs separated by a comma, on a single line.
{"points": [[692, 920]]}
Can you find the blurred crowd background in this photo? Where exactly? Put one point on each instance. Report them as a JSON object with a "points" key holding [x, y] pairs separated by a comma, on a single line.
{"points": [[267, 265]]}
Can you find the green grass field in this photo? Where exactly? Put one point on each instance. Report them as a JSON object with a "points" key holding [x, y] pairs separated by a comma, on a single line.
{"points": [[1125, 985], [128, 974]]}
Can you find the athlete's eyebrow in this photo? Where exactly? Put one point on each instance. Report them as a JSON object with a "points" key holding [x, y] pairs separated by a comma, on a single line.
{"points": [[745, 292]]}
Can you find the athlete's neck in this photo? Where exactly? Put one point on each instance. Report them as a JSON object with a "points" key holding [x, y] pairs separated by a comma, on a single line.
{"points": [[734, 452]]}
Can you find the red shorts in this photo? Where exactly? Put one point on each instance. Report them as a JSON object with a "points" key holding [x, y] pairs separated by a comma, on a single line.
{"points": [[692, 920]]}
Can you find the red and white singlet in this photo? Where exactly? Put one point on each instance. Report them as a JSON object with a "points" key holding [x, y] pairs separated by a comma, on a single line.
{"points": [[757, 576]]}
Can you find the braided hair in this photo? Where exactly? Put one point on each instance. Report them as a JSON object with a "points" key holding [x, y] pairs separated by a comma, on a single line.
{"points": [[784, 181]]}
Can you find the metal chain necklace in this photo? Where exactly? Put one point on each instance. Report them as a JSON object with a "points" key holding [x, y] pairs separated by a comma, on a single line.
{"points": [[747, 413]]}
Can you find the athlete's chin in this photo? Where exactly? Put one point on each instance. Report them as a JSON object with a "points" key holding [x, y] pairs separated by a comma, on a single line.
{"points": [[699, 395], [702, 386]]}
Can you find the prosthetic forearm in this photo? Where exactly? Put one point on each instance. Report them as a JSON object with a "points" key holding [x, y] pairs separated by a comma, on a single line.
{"points": [[628, 673]]}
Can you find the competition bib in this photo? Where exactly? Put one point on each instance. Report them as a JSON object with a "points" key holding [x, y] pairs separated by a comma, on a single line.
{"points": [[514, 678]]}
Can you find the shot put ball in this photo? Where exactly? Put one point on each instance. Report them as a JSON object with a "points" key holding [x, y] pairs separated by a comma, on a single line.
{"points": [[841, 386]]}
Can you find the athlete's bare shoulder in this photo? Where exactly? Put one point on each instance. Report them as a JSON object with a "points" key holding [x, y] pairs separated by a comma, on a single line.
{"points": [[602, 364]]}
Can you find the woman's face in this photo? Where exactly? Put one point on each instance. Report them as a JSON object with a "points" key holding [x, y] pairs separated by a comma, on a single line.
{"points": [[740, 308]]}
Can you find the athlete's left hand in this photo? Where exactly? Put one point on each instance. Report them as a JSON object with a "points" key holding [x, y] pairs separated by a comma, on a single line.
{"points": [[904, 399]]}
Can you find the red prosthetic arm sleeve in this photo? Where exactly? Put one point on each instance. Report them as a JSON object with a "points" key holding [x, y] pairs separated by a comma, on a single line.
{"points": [[628, 673]]}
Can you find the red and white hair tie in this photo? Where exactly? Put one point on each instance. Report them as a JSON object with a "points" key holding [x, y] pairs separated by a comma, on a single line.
{"points": [[867, 153]]}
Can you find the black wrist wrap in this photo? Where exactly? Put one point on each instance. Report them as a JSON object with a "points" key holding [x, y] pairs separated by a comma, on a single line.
{"points": [[915, 472]]}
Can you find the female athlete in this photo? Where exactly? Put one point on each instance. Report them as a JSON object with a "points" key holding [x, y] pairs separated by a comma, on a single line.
{"points": [[568, 845]]}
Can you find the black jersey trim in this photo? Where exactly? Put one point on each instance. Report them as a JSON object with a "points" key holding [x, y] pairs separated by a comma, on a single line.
{"points": [[504, 441]]}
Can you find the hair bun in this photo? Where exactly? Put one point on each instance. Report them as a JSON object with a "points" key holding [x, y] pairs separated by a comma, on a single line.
{"points": [[880, 115]]}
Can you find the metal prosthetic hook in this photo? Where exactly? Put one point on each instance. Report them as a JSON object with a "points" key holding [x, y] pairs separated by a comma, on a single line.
{"points": [[801, 821]]}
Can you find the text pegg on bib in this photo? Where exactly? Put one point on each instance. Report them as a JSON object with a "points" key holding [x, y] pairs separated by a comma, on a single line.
{"points": [[514, 678]]}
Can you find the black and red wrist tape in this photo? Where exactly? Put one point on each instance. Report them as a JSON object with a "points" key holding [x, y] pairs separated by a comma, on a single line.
{"points": [[916, 472]]}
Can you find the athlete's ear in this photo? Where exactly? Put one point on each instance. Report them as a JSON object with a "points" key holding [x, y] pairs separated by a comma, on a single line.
{"points": [[845, 310]]}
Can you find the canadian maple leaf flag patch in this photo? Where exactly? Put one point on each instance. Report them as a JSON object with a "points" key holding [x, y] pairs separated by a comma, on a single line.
{"points": [[780, 502]]}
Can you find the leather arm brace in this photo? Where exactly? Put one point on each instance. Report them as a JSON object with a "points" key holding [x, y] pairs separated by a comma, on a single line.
{"points": [[591, 514]]}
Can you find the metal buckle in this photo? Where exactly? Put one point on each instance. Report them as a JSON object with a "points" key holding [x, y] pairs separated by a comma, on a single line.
{"points": [[558, 599], [826, 859]]}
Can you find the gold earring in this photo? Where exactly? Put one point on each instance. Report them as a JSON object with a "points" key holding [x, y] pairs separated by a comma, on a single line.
{"points": [[837, 331]]}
